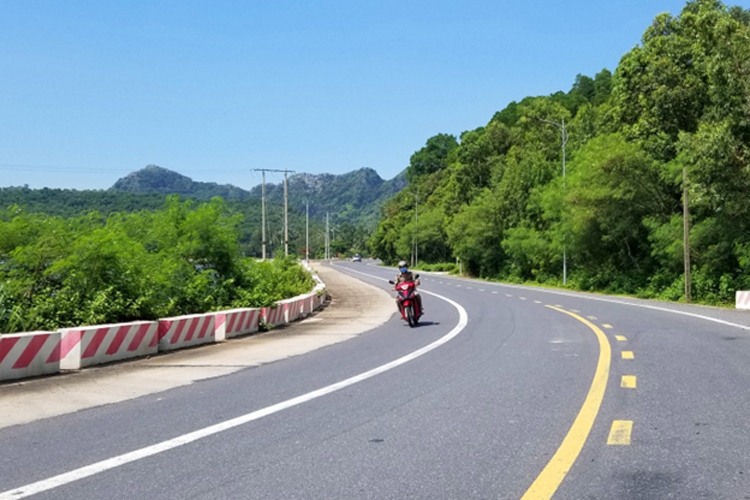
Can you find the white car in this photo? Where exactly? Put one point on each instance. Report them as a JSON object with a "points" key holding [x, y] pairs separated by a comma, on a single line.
{"points": [[357, 258]]}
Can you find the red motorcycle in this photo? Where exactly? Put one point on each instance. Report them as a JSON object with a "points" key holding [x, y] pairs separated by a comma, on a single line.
{"points": [[408, 305]]}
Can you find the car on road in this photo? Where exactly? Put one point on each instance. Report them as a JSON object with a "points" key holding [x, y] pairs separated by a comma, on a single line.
{"points": [[357, 258]]}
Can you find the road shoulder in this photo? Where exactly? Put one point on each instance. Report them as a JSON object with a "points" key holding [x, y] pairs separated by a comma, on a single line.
{"points": [[355, 307]]}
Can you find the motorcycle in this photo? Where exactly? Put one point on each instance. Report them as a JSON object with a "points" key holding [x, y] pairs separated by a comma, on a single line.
{"points": [[408, 305]]}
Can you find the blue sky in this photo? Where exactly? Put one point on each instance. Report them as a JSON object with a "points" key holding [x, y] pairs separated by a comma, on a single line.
{"points": [[91, 90]]}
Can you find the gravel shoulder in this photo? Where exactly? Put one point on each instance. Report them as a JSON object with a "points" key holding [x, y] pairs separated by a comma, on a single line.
{"points": [[354, 308]]}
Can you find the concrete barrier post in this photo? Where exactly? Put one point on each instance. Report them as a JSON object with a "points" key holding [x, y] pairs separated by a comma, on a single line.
{"points": [[742, 299], [95, 345], [236, 322], [186, 331], [29, 354]]}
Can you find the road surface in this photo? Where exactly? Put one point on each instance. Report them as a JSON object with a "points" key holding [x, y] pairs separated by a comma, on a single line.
{"points": [[503, 392]]}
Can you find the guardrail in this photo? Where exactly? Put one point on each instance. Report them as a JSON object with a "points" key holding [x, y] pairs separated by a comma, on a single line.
{"points": [[33, 354]]}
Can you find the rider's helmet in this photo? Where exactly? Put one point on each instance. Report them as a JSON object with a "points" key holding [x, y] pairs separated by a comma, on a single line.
{"points": [[403, 266]]}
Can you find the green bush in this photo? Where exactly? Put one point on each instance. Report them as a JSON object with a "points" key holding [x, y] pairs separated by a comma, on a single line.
{"points": [[183, 259]]}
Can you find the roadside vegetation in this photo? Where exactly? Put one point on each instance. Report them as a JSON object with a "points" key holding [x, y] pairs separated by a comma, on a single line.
{"points": [[184, 258], [495, 197]]}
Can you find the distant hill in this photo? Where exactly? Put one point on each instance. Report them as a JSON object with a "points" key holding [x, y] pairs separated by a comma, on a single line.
{"points": [[354, 197], [155, 179]]}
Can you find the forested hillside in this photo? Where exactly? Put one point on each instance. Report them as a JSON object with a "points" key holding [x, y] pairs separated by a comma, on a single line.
{"points": [[71, 203], [495, 197], [155, 179], [354, 198]]}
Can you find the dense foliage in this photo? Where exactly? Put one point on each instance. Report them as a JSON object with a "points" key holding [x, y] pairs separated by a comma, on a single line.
{"points": [[182, 259], [496, 198]]}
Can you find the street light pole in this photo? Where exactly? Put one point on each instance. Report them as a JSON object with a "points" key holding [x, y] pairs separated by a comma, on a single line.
{"points": [[564, 136]]}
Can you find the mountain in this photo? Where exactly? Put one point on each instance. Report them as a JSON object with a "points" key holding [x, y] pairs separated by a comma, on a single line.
{"points": [[354, 197], [154, 179]]}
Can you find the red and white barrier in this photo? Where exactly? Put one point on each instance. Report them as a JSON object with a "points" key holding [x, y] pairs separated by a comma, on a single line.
{"points": [[309, 303], [742, 300], [39, 353], [292, 309], [273, 315], [186, 331], [29, 354], [95, 345], [236, 322]]}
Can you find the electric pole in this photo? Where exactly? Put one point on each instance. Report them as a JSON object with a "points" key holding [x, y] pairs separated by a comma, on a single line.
{"points": [[328, 241], [416, 230], [307, 231], [564, 137], [686, 234], [263, 214], [286, 210]]}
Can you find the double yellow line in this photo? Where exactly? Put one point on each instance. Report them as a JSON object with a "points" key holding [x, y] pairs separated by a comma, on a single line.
{"points": [[549, 480]]}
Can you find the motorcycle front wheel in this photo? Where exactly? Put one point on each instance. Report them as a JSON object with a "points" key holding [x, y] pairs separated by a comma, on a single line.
{"points": [[410, 316]]}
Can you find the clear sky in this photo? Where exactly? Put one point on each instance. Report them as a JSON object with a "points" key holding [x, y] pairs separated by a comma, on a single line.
{"points": [[92, 90]]}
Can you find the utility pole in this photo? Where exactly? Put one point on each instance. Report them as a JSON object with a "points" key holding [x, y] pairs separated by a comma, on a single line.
{"points": [[564, 137], [686, 233], [286, 211], [263, 214], [416, 231], [328, 241], [307, 231], [286, 217]]}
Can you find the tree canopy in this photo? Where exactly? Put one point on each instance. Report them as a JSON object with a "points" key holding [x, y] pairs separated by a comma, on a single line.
{"points": [[496, 199]]}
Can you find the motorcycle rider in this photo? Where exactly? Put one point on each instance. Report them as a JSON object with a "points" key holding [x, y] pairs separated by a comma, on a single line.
{"points": [[405, 275]]}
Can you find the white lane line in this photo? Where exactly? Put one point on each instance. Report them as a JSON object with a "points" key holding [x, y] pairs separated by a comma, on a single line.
{"points": [[619, 302], [111, 463]]}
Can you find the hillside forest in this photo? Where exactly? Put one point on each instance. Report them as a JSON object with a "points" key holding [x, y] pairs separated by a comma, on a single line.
{"points": [[495, 198]]}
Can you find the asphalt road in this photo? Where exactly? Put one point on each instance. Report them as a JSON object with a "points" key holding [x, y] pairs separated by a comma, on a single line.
{"points": [[503, 392]]}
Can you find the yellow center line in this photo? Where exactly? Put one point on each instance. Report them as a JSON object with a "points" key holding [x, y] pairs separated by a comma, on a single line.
{"points": [[620, 432], [628, 382], [545, 485], [621, 338], [607, 326], [627, 355]]}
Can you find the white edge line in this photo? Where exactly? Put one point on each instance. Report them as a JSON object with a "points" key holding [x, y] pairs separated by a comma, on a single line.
{"points": [[111, 463], [612, 301]]}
